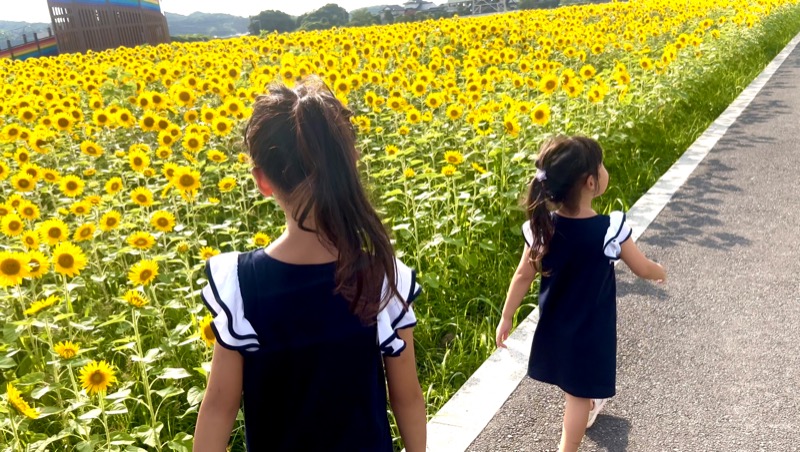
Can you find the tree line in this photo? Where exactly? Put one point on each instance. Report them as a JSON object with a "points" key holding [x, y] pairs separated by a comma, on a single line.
{"points": [[332, 15]]}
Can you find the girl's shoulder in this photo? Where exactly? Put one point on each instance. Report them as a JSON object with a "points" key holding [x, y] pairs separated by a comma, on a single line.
{"points": [[613, 228]]}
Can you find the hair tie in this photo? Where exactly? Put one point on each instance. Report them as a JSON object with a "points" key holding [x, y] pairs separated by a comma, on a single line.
{"points": [[541, 175]]}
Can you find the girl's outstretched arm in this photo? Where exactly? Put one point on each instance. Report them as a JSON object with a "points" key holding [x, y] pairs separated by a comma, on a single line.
{"points": [[520, 285], [405, 394], [221, 402], [640, 265]]}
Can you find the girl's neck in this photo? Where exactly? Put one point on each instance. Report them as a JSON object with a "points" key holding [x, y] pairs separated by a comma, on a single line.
{"points": [[583, 210], [301, 247]]}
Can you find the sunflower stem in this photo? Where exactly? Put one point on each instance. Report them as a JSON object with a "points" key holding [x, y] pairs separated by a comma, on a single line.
{"points": [[145, 380], [102, 397], [66, 295]]}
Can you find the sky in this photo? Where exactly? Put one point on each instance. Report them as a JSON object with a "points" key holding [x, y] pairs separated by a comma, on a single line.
{"points": [[36, 10]]}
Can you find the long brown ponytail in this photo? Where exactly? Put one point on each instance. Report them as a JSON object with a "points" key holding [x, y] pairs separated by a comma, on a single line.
{"points": [[562, 166], [304, 143]]}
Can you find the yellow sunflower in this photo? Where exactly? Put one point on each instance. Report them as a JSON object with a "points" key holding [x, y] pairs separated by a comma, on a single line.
{"points": [[16, 400], [186, 179], [541, 114], [409, 173], [453, 157], [216, 156], [63, 121], [30, 240], [162, 221], [548, 84], [5, 171], [50, 176], [22, 156], [143, 272], [478, 168], [28, 210], [136, 298], [13, 268], [206, 332], [84, 232], [68, 259], [141, 240], [91, 149], [222, 126], [40, 305], [511, 125], [193, 142], [138, 160], [96, 377], [227, 184], [208, 252], [39, 264], [114, 185], [12, 225], [449, 170], [142, 196], [67, 349], [261, 239], [81, 208], [110, 220], [23, 182], [72, 186], [53, 231]]}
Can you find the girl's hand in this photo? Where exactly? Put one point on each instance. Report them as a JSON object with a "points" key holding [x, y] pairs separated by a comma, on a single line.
{"points": [[503, 330]]}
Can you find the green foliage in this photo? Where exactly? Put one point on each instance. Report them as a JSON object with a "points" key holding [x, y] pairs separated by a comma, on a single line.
{"points": [[363, 18], [330, 15], [218, 25], [270, 21]]}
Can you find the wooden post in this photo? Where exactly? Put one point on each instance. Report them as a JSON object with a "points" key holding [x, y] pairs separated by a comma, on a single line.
{"points": [[10, 49], [38, 47]]}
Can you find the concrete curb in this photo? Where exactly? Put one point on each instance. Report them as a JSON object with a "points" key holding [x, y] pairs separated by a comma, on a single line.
{"points": [[467, 413]]}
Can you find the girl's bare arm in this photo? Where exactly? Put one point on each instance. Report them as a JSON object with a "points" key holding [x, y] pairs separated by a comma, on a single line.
{"points": [[220, 403], [405, 394], [520, 285], [640, 265]]}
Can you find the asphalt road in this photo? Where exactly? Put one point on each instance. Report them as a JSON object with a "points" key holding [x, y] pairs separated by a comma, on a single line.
{"points": [[711, 360]]}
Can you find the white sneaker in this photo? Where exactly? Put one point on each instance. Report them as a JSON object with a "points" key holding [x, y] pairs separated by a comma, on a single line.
{"points": [[597, 406]]}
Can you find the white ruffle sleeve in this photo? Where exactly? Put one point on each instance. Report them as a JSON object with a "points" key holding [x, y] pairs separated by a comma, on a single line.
{"points": [[527, 233], [223, 298], [395, 315], [618, 232]]}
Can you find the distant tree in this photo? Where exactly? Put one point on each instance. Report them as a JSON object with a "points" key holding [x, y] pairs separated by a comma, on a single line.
{"points": [[330, 15], [363, 18], [270, 21], [388, 17]]}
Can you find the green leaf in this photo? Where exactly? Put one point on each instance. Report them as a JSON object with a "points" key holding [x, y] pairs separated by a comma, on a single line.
{"points": [[122, 393], [174, 373], [168, 392], [149, 436], [93, 414], [6, 362], [195, 395], [122, 439], [49, 411], [181, 443], [38, 393]]}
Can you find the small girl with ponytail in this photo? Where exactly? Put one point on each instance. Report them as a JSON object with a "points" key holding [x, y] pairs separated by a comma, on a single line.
{"points": [[573, 248], [312, 330]]}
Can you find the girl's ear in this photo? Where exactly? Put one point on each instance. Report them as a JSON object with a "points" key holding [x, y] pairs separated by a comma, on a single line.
{"points": [[262, 182], [591, 182]]}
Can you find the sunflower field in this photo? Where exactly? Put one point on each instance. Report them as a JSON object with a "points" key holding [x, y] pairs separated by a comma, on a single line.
{"points": [[122, 171]]}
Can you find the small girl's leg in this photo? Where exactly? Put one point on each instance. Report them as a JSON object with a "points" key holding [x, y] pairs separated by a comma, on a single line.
{"points": [[576, 414]]}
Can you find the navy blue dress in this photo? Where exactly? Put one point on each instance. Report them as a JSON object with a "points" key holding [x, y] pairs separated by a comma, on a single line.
{"points": [[313, 374], [575, 342]]}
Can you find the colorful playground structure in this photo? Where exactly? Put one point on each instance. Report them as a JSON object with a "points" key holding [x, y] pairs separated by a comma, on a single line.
{"points": [[82, 25]]}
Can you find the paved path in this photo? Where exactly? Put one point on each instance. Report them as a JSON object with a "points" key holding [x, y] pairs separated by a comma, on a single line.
{"points": [[711, 361]]}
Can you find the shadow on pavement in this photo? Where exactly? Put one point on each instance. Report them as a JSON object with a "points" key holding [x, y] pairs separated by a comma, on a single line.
{"points": [[610, 433]]}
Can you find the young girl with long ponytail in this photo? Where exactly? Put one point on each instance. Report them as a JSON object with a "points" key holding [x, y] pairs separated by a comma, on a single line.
{"points": [[574, 249], [312, 330]]}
